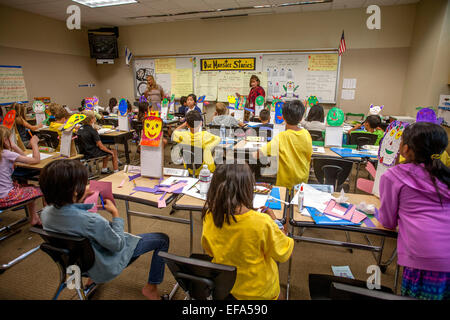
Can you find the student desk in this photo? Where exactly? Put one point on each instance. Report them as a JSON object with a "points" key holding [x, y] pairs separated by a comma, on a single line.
{"points": [[192, 204], [149, 199], [121, 137], [43, 163], [296, 220]]}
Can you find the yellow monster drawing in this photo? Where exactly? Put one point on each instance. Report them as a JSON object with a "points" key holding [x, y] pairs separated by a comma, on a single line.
{"points": [[152, 130]]}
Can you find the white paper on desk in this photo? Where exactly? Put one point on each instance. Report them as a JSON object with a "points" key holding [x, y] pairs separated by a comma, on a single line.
{"points": [[195, 193], [313, 198], [318, 149], [190, 182], [259, 200], [104, 130], [42, 155], [254, 145]]}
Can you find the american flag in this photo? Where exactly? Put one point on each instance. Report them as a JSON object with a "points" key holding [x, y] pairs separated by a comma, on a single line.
{"points": [[342, 45]]}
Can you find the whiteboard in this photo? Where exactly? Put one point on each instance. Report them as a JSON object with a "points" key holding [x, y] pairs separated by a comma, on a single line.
{"points": [[290, 75], [12, 85]]}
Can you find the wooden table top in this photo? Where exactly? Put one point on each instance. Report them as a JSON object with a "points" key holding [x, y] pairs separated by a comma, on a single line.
{"points": [[353, 198], [196, 204], [124, 192], [43, 163], [116, 133]]}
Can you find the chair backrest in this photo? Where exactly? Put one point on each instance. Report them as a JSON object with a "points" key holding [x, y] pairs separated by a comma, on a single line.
{"points": [[67, 250], [363, 138], [192, 157], [332, 171], [327, 287], [54, 137], [201, 279], [215, 129], [137, 126], [263, 130], [316, 135]]}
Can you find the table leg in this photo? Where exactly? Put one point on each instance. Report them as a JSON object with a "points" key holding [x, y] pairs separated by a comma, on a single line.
{"points": [[127, 209], [191, 233], [356, 178], [125, 145]]}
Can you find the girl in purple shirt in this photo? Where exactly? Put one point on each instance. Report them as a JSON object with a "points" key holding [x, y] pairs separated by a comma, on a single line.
{"points": [[415, 197]]}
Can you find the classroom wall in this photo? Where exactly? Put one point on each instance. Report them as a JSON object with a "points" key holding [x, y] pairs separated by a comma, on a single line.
{"points": [[55, 60], [377, 58], [429, 63]]}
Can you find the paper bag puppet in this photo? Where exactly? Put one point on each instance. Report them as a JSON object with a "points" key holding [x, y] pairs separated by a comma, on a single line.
{"points": [[89, 104], [164, 108], [259, 105], [172, 104], [335, 117], [388, 151], [272, 108], [279, 112], [124, 123], [9, 119], [231, 102], [375, 110], [239, 111], [39, 111], [152, 130], [200, 102], [428, 115], [67, 144]]}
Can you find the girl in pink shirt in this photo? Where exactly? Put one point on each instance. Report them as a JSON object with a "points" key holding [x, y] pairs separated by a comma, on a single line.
{"points": [[415, 197], [12, 193]]}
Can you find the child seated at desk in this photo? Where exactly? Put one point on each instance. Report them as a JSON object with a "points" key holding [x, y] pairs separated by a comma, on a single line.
{"points": [[61, 116], [264, 117], [315, 119], [12, 193], [293, 147], [64, 185], [197, 138], [191, 103], [415, 197], [92, 146], [372, 125], [113, 106], [235, 234], [221, 117], [22, 124], [183, 106]]}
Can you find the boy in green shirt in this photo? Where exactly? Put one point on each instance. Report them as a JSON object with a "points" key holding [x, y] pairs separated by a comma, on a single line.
{"points": [[371, 125]]}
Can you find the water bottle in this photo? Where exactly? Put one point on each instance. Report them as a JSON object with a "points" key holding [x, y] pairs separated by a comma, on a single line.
{"points": [[223, 132], [204, 180]]}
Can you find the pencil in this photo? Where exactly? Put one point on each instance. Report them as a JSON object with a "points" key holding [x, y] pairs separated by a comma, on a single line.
{"points": [[31, 135]]}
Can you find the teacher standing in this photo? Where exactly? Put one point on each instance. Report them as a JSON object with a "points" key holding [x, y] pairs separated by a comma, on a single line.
{"points": [[154, 93], [255, 91]]}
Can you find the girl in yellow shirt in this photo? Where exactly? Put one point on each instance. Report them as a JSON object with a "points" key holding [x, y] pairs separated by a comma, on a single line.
{"points": [[237, 235]]}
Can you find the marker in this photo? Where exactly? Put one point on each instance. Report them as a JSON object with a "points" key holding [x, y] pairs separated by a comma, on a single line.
{"points": [[29, 131], [101, 199], [264, 210]]}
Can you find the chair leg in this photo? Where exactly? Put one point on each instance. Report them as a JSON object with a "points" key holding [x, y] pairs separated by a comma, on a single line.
{"points": [[60, 288]]}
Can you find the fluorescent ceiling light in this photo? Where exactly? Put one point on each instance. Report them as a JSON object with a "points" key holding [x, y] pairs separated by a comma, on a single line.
{"points": [[103, 3]]}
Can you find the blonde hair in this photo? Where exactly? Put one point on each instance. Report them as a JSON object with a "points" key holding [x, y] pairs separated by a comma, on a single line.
{"points": [[220, 108], [89, 116], [5, 133], [154, 85], [59, 112], [20, 112]]}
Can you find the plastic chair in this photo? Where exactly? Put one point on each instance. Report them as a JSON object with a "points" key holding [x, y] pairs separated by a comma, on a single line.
{"points": [[363, 138], [365, 184], [192, 157], [263, 130], [215, 129], [65, 251], [332, 171], [327, 287], [92, 164], [199, 278], [316, 135]]}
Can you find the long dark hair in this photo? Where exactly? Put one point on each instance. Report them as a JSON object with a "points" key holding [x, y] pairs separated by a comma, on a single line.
{"points": [[316, 113], [231, 187], [427, 139], [143, 110], [112, 104]]}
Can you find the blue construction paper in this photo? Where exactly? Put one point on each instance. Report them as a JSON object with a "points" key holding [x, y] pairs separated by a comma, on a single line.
{"points": [[347, 153], [274, 204], [321, 218]]}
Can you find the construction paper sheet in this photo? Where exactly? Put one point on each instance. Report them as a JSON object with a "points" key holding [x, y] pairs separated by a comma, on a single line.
{"points": [[273, 204], [43, 156], [175, 187], [104, 188], [131, 178], [122, 183], [190, 182], [368, 223], [93, 198], [321, 218], [259, 200], [147, 189], [342, 271]]}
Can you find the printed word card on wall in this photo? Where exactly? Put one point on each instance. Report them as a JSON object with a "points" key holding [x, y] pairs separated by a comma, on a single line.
{"points": [[12, 85]]}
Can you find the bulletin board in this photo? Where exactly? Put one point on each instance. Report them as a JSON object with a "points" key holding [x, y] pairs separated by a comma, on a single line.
{"points": [[12, 85], [291, 75]]}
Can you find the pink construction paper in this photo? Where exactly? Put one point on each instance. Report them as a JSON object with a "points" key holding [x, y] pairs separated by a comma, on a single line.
{"points": [[174, 187], [364, 185], [358, 216], [104, 187], [333, 205], [93, 198], [123, 181], [162, 203]]}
